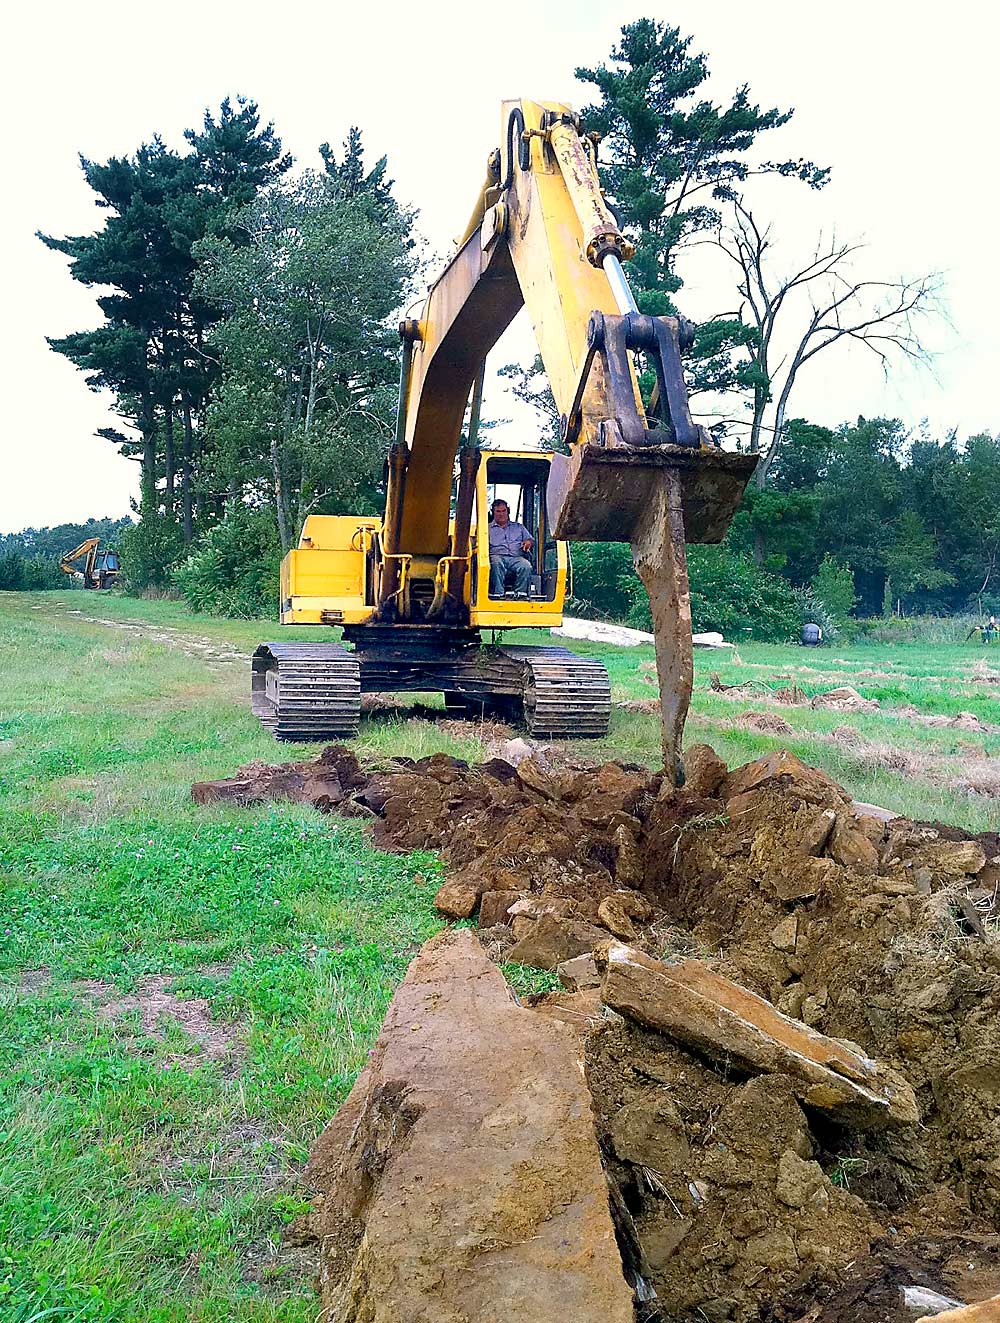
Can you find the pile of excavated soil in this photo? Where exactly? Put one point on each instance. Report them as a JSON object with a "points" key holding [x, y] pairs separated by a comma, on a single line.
{"points": [[738, 1193]]}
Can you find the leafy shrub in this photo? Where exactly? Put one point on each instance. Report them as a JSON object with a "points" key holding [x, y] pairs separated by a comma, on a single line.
{"points": [[603, 580], [43, 572], [728, 592], [234, 569], [149, 551], [31, 573], [833, 587]]}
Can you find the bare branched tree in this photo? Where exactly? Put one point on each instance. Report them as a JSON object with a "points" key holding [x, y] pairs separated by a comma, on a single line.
{"points": [[832, 306]]}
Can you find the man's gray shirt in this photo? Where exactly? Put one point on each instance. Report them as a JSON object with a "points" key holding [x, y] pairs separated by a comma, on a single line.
{"points": [[507, 541]]}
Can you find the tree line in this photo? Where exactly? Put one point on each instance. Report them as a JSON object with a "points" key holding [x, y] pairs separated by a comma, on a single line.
{"points": [[867, 519]]}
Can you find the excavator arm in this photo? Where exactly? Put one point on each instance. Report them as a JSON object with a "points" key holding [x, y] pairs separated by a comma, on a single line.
{"points": [[542, 237], [88, 549]]}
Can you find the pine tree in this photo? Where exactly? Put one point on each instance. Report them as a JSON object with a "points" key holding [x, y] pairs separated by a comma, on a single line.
{"points": [[669, 159], [150, 350]]}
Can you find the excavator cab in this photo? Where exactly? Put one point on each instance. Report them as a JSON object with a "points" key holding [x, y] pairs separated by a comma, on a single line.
{"points": [[522, 481]]}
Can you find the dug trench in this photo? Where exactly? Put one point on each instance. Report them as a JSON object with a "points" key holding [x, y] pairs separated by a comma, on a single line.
{"points": [[769, 1088]]}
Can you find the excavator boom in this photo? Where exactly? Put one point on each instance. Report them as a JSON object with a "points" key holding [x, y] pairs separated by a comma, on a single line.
{"points": [[543, 237]]}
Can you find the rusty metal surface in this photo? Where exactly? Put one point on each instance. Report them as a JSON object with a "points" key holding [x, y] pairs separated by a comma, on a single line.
{"points": [[600, 493]]}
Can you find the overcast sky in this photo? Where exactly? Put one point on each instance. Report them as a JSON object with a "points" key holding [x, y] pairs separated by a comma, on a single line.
{"points": [[898, 97]]}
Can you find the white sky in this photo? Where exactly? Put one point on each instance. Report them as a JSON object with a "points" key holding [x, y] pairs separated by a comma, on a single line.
{"points": [[898, 97]]}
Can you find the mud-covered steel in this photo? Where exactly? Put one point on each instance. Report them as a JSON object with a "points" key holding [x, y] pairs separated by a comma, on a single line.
{"points": [[600, 492], [661, 560]]}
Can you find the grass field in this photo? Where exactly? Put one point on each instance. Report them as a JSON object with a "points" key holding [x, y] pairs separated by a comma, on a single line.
{"points": [[187, 993]]}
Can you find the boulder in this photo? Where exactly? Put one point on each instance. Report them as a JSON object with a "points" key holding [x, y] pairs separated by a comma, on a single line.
{"points": [[695, 1007], [456, 900], [783, 771], [816, 832], [784, 934], [800, 877], [986, 1311], [578, 974], [953, 859], [612, 914], [629, 866], [704, 772], [494, 907], [552, 939], [536, 907], [850, 847], [462, 1179]]}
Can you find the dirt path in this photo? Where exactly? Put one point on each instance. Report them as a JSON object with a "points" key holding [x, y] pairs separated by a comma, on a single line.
{"points": [[214, 653]]}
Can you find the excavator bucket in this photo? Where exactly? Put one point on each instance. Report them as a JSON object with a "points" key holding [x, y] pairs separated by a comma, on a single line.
{"points": [[651, 478], [657, 498], [601, 493]]}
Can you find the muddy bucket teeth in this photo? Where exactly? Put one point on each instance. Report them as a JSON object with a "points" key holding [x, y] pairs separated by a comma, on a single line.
{"points": [[602, 492]]}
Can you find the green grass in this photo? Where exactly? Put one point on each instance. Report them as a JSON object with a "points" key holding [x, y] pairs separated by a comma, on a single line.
{"points": [[143, 1180], [139, 1178]]}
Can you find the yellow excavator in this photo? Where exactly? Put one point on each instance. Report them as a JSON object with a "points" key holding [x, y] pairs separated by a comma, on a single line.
{"points": [[412, 591], [100, 569]]}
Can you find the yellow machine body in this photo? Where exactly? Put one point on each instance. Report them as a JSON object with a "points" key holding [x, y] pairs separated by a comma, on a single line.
{"points": [[331, 577]]}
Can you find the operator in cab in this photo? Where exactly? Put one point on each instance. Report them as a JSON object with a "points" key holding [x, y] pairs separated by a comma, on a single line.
{"points": [[508, 543]]}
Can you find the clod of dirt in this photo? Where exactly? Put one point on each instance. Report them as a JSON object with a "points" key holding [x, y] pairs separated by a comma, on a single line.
{"points": [[461, 1179], [844, 699], [770, 723]]}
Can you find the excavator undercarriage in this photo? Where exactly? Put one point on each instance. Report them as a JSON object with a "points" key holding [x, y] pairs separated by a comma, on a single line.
{"points": [[304, 691]]}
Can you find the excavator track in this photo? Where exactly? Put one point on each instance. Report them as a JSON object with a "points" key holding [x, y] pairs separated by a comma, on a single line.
{"points": [[306, 691], [565, 696]]}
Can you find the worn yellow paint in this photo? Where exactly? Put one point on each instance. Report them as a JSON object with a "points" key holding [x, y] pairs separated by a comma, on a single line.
{"points": [[325, 580]]}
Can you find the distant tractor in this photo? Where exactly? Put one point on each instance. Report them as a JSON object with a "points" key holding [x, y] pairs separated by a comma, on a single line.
{"points": [[101, 569]]}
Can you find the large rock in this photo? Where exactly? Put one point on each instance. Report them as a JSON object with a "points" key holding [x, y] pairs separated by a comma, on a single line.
{"points": [[987, 1311], [849, 845], [704, 772], [782, 770], [698, 1008], [455, 900], [461, 1180], [550, 940], [326, 782]]}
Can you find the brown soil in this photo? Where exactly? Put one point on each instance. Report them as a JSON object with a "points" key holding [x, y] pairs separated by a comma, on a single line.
{"points": [[736, 1201]]}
